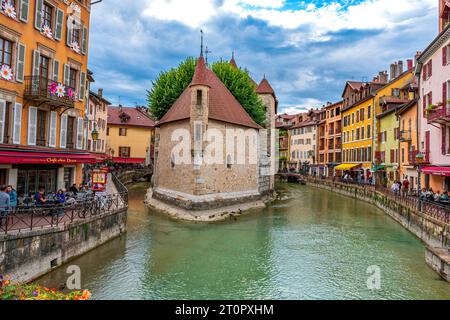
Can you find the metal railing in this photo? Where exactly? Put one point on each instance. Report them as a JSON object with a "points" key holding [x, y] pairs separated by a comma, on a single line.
{"points": [[44, 89], [408, 199]]}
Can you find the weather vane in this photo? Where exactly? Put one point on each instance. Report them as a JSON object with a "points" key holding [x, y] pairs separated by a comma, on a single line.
{"points": [[206, 53]]}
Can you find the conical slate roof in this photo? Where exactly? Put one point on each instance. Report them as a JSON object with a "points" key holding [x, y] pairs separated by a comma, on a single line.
{"points": [[265, 88], [223, 106]]}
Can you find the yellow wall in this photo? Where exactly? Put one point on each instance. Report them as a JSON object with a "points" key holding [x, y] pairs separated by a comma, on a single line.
{"points": [[361, 143], [137, 138]]}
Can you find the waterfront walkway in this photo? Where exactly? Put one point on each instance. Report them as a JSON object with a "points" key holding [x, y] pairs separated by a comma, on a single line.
{"points": [[31, 218]]}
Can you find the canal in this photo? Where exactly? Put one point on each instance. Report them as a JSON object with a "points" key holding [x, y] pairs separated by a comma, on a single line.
{"points": [[314, 245]]}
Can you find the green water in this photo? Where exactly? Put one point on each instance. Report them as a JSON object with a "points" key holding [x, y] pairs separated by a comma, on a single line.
{"points": [[317, 245]]}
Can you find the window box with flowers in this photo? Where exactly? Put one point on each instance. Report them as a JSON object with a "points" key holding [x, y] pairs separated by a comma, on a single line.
{"points": [[6, 73], [7, 7]]}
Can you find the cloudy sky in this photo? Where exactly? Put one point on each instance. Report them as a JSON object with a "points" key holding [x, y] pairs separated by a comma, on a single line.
{"points": [[307, 49]]}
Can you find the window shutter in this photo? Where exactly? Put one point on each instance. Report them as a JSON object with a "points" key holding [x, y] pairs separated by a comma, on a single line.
{"points": [[38, 14], [430, 98], [70, 26], [424, 102], [444, 56], [52, 134], [17, 123], [444, 140], [55, 71], [424, 74], [36, 58], [80, 133], [24, 10], [2, 119], [20, 70], [82, 86], [84, 40], [66, 75], [430, 68], [32, 125], [59, 24], [63, 133]]}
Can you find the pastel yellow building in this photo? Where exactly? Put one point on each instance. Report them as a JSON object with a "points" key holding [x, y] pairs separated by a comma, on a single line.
{"points": [[130, 135]]}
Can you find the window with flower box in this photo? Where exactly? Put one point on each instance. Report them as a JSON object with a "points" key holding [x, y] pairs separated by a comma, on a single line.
{"points": [[5, 52]]}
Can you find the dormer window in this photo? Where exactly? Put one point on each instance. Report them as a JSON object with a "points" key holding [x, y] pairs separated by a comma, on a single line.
{"points": [[199, 97]]}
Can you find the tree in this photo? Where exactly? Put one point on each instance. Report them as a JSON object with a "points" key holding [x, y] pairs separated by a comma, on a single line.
{"points": [[169, 86], [242, 88]]}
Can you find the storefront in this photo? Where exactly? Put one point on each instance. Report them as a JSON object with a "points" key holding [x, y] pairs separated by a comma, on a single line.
{"points": [[437, 178], [28, 171]]}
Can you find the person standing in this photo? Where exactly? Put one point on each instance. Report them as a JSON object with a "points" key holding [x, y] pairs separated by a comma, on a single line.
{"points": [[405, 186], [4, 204], [12, 196]]}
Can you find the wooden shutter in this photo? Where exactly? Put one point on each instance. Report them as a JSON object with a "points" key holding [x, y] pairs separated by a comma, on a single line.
{"points": [[80, 133], [59, 24], [66, 75], [392, 156], [430, 68], [444, 94], [20, 70], [82, 86], [55, 71], [70, 26], [2, 119], [84, 40], [444, 56], [36, 58], [38, 14], [430, 98], [444, 140], [17, 123], [52, 134], [424, 74], [63, 133], [32, 125], [427, 145], [24, 10]]}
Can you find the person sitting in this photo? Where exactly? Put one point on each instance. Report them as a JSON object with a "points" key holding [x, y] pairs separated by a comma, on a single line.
{"points": [[437, 196], [74, 189], [60, 197], [445, 197], [39, 197]]}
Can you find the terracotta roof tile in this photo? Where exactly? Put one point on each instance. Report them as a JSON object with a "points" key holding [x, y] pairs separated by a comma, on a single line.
{"points": [[265, 88], [137, 118], [223, 106]]}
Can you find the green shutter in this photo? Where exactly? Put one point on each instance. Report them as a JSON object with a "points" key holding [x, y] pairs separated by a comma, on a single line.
{"points": [[55, 71], [38, 15], [20, 70], [59, 24], [84, 41], [70, 24], [24, 10]]}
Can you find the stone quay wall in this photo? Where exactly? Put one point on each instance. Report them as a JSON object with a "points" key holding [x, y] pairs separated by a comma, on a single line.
{"points": [[435, 234], [27, 256]]}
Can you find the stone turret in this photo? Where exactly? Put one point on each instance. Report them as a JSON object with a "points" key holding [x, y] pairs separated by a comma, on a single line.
{"points": [[199, 112]]}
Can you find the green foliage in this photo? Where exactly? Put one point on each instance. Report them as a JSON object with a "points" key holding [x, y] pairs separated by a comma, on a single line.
{"points": [[169, 86], [241, 86]]}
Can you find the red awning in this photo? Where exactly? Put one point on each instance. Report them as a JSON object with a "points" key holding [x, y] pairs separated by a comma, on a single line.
{"points": [[129, 160], [27, 157], [437, 171]]}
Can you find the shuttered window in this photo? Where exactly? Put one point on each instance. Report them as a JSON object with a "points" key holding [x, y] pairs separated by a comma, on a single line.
{"points": [[80, 133], [24, 10], [32, 124], [2, 120], [63, 132], [17, 126], [59, 24], [20, 69], [52, 133], [6, 52]]}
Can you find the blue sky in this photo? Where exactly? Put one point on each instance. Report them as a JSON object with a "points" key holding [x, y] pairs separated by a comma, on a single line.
{"points": [[307, 49]]}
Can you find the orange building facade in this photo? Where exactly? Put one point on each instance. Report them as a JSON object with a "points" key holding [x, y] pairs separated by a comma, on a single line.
{"points": [[43, 61]]}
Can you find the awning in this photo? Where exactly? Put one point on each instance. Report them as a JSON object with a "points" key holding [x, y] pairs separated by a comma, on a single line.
{"points": [[437, 171], [50, 158], [129, 160], [347, 166]]}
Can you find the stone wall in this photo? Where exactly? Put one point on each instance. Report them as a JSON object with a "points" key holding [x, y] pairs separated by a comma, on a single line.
{"points": [[27, 256]]}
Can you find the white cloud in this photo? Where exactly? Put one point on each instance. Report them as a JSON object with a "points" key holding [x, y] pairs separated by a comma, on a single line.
{"points": [[262, 3]]}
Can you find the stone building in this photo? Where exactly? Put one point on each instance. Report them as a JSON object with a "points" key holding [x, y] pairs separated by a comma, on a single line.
{"points": [[209, 153]]}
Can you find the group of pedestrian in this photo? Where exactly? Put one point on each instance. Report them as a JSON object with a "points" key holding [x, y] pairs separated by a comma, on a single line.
{"points": [[399, 187]]}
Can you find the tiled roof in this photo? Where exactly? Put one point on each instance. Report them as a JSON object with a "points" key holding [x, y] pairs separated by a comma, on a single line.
{"points": [[223, 106], [305, 124], [137, 117], [265, 88]]}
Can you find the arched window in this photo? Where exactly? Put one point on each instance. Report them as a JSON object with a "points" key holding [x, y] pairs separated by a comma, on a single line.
{"points": [[228, 161]]}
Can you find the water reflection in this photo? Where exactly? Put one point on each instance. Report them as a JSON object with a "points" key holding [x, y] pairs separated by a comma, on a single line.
{"points": [[316, 245]]}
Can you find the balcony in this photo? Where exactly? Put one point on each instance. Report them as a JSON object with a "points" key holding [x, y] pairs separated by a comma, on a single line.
{"points": [[45, 91], [439, 114], [412, 157], [405, 136]]}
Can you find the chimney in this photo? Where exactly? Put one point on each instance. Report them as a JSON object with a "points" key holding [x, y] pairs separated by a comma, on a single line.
{"points": [[383, 77], [100, 93], [410, 63], [400, 68], [120, 108], [393, 67]]}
